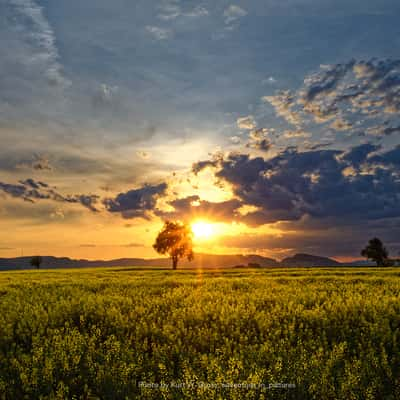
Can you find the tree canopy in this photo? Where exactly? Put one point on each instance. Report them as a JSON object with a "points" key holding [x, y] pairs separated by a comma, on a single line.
{"points": [[175, 239], [377, 252]]}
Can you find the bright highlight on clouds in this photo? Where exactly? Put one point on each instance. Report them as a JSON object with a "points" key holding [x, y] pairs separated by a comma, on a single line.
{"points": [[246, 122]]}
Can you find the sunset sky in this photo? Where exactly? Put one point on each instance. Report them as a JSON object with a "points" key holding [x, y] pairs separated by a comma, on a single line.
{"points": [[278, 122]]}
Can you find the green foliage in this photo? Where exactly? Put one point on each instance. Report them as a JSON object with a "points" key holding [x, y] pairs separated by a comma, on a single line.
{"points": [[175, 239], [377, 252], [97, 334]]}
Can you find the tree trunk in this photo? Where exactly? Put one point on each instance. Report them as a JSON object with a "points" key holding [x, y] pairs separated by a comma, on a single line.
{"points": [[174, 262]]}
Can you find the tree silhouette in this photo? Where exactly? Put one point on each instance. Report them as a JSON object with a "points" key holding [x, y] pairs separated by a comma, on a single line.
{"points": [[175, 239], [377, 252], [36, 261]]}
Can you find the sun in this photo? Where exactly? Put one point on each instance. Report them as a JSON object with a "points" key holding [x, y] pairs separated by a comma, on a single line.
{"points": [[202, 230]]}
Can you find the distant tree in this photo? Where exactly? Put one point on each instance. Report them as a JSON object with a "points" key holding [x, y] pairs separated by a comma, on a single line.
{"points": [[36, 261], [377, 252], [175, 239]]}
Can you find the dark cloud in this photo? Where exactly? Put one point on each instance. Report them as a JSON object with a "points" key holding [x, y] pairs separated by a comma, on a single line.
{"points": [[33, 184], [193, 207], [262, 144], [88, 201], [14, 190], [325, 82], [358, 155], [200, 165], [322, 183], [31, 191], [136, 203], [391, 158], [389, 130]]}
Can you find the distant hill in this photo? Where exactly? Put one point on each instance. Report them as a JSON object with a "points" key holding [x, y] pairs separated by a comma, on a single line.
{"points": [[308, 260], [64, 262], [201, 261]]}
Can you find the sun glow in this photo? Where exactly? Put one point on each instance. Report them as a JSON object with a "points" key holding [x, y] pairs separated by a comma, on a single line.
{"points": [[202, 230]]}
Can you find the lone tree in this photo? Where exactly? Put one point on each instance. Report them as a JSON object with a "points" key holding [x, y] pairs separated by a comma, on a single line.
{"points": [[175, 239], [36, 261], [377, 252]]}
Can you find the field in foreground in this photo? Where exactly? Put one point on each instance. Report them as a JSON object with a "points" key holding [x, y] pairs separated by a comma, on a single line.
{"points": [[233, 334]]}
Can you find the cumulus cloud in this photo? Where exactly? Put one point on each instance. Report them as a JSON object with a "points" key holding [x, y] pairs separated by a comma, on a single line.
{"points": [[136, 203], [31, 191], [283, 103], [260, 144], [294, 184], [360, 97], [246, 122], [193, 207], [233, 13], [258, 139]]}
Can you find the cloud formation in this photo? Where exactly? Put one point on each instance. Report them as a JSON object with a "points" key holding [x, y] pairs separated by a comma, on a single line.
{"points": [[43, 37], [246, 122], [361, 97], [136, 203], [357, 185], [193, 207], [31, 191], [32, 70]]}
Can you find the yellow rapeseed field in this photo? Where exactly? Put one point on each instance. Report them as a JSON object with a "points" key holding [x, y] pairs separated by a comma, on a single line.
{"points": [[142, 333]]}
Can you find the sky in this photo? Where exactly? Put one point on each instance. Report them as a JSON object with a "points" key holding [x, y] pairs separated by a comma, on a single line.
{"points": [[276, 121]]}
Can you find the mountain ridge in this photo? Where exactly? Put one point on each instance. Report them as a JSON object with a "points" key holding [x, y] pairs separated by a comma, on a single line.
{"points": [[202, 260]]}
